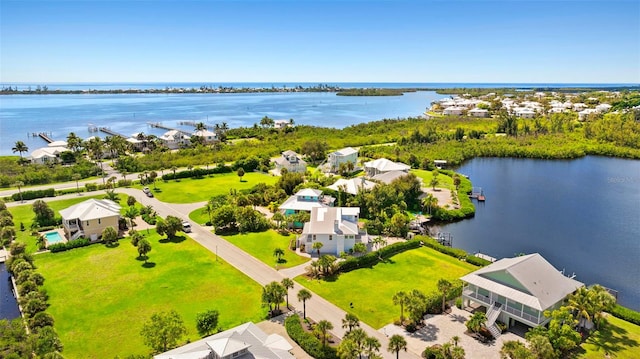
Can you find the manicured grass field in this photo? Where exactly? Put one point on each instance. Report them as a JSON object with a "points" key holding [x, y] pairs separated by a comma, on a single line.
{"points": [[444, 181], [100, 297], [188, 190], [24, 214], [199, 216], [261, 246], [619, 339], [371, 290]]}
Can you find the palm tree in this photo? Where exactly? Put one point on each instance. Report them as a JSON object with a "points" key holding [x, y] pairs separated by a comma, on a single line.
{"points": [[303, 296], [317, 246], [350, 321], [400, 298], [396, 344], [19, 184], [287, 283], [20, 147], [76, 177], [372, 346], [131, 213], [174, 169], [444, 286], [358, 336], [278, 253], [347, 349], [322, 329], [200, 126], [74, 142]]}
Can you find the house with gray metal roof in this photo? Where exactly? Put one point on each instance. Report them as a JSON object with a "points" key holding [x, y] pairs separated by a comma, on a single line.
{"points": [[518, 289], [242, 342], [337, 228], [89, 218], [290, 161], [383, 165]]}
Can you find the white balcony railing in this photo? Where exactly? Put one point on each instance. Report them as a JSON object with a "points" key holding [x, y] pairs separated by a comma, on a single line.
{"points": [[515, 312]]}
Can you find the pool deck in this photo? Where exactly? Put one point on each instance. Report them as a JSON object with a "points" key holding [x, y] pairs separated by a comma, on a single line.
{"points": [[60, 233]]}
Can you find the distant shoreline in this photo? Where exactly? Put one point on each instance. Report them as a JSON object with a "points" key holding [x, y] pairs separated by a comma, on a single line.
{"points": [[343, 89]]}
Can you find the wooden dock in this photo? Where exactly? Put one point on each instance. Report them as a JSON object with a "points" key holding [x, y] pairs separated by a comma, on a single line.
{"points": [[193, 123], [477, 193], [159, 125], [45, 136], [485, 257], [112, 133]]}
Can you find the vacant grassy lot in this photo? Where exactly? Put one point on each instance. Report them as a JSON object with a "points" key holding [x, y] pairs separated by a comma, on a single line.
{"points": [[100, 297], [190, 190], [618, 339], [444, 181], [372, 290], [261, 246], [24, 214]]}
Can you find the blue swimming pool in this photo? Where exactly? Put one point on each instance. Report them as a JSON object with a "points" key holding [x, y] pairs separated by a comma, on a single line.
{"points": [[53, 237]]}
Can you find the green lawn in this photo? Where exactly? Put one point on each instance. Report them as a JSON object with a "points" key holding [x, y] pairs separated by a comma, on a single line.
{"points": [[24, 214], [188, 190], [199, 216], [261, 246], [444, 181], [100, 297], [618, 338], [371, 289]]}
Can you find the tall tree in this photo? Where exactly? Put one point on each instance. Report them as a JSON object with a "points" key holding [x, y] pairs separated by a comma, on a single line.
{"points": [[207, 322], [444, 287], [20, 147], [303, 296], [109, 235], [19, 184], [396, 344], [131, 213], [163, 331], [240, 173], [400, 298], [287, 283], [144, 247], [322, 329], [350, 321], [74, 143]]}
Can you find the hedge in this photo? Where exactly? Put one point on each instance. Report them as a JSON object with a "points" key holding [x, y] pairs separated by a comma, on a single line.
{"points": [[626, 314], [61, 247], [196, 172], [27, 195], [453, 252], [309, 343], [372, 258]]}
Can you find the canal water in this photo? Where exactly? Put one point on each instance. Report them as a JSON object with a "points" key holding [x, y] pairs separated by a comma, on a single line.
{"points": [[8, 304], [582, 215]]}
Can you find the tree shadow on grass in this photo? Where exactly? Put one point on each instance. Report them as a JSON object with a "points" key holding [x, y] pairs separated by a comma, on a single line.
{"points": [[115, 244], [242, 181], [281, 261], [176, 239], [611, 339], [148, 265]]}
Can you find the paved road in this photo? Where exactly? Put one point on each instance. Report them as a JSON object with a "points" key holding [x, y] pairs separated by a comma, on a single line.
{"points": [[317, 307]]}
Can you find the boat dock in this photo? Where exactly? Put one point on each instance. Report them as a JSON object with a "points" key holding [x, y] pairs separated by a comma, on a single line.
{"points": [[45, 136], [486, 257], [160, 125], [477, 193], [112, 133], [193, 123]]}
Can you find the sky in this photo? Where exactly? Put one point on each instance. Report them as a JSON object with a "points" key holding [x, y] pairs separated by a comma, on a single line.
{"points": [[320, 41]]}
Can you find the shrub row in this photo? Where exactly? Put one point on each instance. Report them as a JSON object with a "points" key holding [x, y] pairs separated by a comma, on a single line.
{"points": [[197, 172], [307, 341], [27, 195], [453, 252], [61, 247], [626, 314], [372, 258]]}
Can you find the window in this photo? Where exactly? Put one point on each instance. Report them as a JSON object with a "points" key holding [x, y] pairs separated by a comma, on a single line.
{"points": [[87, 223], [314, 237], [330, 237], [99, 221]]}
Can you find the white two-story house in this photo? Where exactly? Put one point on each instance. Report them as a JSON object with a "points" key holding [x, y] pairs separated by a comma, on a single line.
{"points": [[335, 227], [339, 157], [89, 218], [290, 161]]}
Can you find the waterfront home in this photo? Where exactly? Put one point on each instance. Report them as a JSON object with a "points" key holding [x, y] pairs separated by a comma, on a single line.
{"points": [[290, 161], [388, 177], [49, 154], [383, 165], [353, 185], [517, 289], [305, 200], [242, 342], [345, 155], [174, 139], [89, 218], [478, 112], [208, 137], [337, 228]]}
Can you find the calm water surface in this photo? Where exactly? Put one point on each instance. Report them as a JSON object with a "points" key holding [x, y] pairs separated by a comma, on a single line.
{"points": [[582, 215], [21, 115], [8, 304]]}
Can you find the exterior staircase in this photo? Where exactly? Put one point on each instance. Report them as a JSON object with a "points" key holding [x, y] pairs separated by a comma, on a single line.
{"points": [[492, 313], [76, 235], [494, 330]]}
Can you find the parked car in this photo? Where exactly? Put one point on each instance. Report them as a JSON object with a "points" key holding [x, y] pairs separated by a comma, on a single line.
{"points": [[186, 227], [147, 191]]}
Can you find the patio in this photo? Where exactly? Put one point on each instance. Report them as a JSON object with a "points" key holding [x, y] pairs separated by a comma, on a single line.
{"points": [[439, 329]]}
